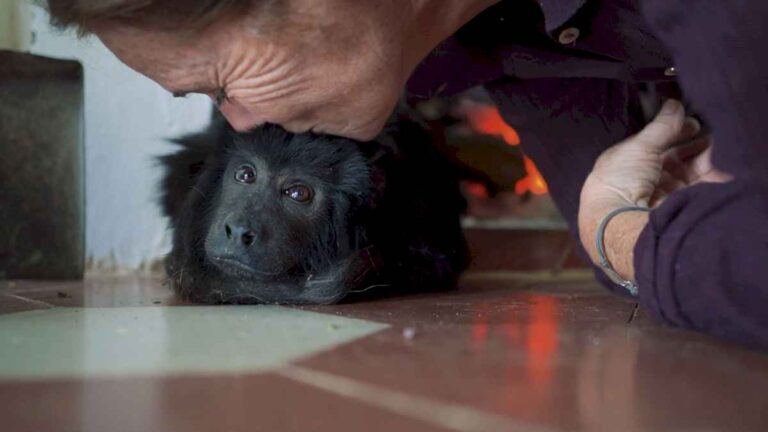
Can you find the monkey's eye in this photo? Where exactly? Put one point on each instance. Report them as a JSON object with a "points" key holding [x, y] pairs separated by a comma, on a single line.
{"points": [[245, 174], [299, 193]]}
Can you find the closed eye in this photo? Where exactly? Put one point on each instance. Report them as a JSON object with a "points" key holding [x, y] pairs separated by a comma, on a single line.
{"points": [[219, 95]]}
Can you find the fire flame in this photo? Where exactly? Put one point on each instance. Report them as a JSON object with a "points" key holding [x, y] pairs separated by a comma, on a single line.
{"points": [[533, 182], [486, 119]]}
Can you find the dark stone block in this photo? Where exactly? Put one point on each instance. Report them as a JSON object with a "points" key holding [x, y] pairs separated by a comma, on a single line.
{"points": [[523, 250], [42, 199]]}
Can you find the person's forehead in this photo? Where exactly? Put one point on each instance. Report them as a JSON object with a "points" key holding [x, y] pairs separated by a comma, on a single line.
{"points": [[178, 62]]}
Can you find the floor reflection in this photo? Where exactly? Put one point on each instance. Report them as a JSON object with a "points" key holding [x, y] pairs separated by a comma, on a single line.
{"points": [[548, 356], [111, 342]]}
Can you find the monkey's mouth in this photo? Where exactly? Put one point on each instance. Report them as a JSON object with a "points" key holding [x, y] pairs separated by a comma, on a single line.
{"points": [[239, 282], [235, 267]]}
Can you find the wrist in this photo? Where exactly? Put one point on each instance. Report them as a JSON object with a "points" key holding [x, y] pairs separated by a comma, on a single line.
{"points": [[616, 234], [591, 214]]}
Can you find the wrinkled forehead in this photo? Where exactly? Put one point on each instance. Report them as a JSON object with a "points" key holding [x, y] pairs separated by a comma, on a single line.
{"points": [[173, 60]]}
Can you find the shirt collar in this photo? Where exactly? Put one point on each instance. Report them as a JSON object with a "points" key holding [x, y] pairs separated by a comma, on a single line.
{"points": [[558, 12]]}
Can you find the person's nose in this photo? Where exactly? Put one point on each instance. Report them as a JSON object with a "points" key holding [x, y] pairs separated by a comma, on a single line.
{"points": [[240, 117]]}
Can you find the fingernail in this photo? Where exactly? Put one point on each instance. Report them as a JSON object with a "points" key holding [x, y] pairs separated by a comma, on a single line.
{"points": [[671, 106], [693, 123]]}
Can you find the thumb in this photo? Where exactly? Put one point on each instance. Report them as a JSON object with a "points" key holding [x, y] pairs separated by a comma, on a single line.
{"points": [[664, 129]]}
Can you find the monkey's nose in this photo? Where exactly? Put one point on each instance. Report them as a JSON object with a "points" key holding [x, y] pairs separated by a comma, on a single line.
{"points": [[245, 235], [248, 237]]}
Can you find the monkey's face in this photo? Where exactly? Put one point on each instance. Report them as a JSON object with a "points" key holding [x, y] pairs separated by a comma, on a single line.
{"points": [[273, 218], [268, 219]]}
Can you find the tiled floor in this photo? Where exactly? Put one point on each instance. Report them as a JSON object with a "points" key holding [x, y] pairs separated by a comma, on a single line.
{"points": [[506, 352]]}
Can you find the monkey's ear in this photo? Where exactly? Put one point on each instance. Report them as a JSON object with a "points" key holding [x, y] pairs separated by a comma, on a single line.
{"points": [[195, 168], [379, 156], [183, 167], [181, 172], [378, 186]]}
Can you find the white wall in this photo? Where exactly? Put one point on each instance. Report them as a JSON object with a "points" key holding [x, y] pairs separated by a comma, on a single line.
{"points": [[14, 22], [127, 118]]}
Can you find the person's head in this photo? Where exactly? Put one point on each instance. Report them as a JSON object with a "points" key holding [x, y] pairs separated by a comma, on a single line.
{"points": [[329, 66]]}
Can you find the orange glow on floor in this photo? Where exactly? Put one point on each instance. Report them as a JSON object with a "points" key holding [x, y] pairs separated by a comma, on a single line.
{"points": [[542, 339]]}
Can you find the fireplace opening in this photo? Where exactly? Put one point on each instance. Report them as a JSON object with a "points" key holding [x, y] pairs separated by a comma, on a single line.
{"points": [[511, 221]]}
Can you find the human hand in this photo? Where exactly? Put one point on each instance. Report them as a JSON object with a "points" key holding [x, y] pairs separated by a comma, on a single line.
{"points": [[646, 168]]}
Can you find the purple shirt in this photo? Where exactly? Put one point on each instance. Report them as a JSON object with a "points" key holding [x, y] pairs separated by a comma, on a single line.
{"points": [[700, 261]]}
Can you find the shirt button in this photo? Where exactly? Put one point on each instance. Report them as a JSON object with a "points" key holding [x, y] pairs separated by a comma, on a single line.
{"points": [[670, 72], [568, 36]]}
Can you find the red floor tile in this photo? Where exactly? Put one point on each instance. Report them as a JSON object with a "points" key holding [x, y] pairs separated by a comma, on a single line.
{"points": [[512, 351], [224, 403]]}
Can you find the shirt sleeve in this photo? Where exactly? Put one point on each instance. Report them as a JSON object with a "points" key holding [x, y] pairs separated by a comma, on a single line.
{"points": [[701, 261]]}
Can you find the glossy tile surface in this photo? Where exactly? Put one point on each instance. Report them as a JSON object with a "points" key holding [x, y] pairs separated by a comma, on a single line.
{"points": [[507, 351], [89, 342], [228, 403]]}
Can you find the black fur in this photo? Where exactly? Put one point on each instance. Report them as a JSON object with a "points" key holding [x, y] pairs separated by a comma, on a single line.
{"points": [[389, 219]]}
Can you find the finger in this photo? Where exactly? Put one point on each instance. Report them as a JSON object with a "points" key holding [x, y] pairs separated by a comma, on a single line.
{"points": [[666, 186], [664, 129], [669, 183], [700, 168], [691, 128], [692, 166], [700, 165], [679, 154], [682, 147]]}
